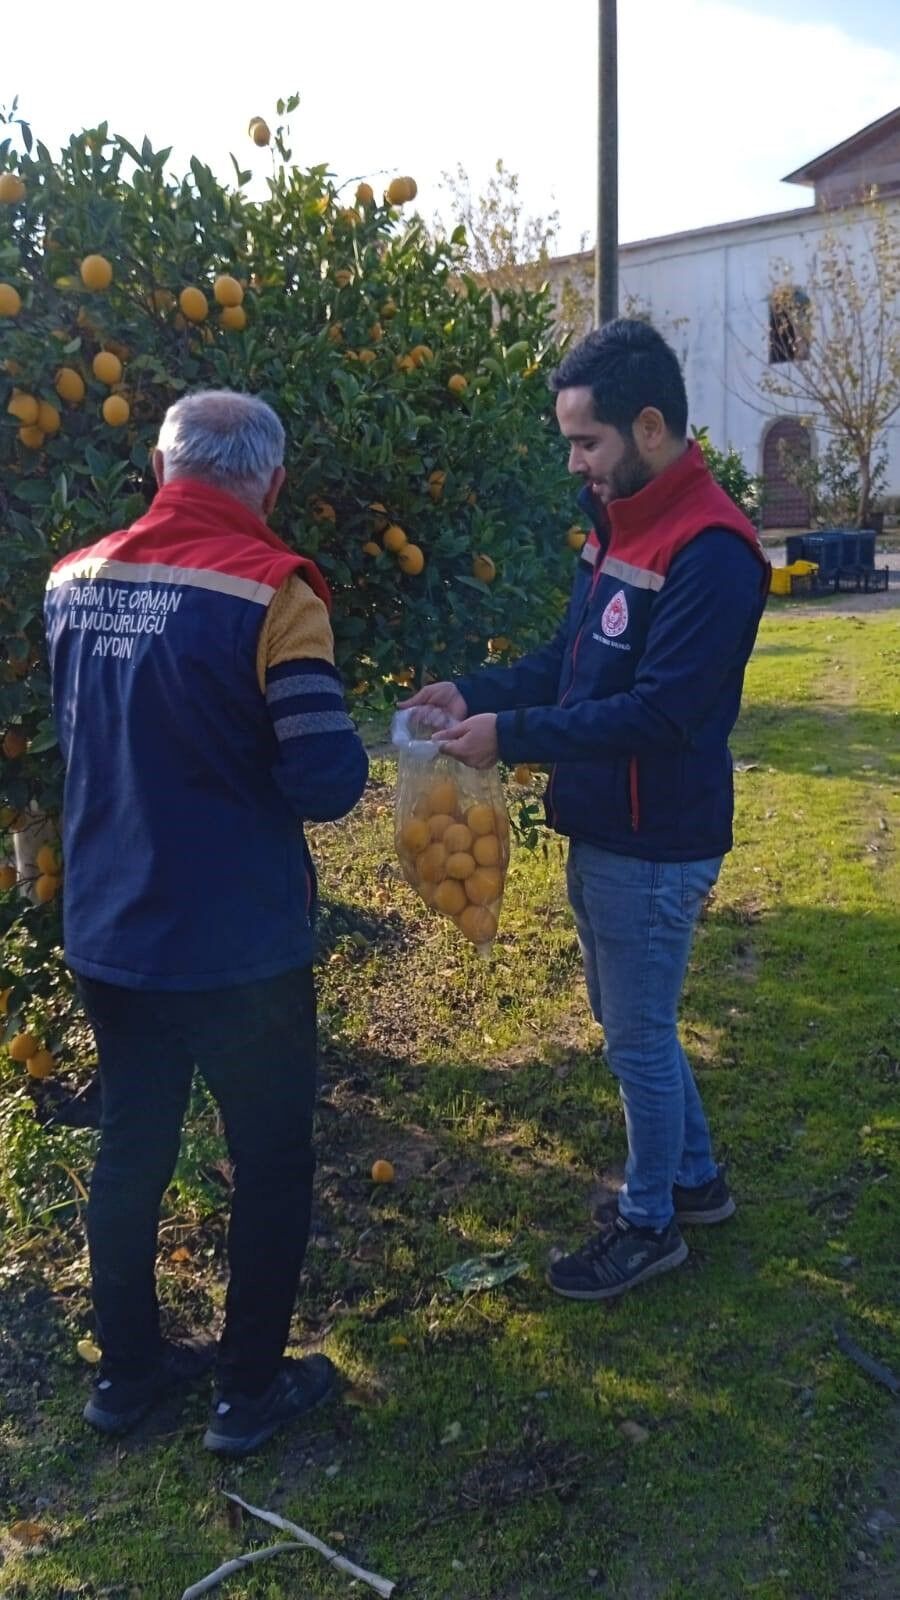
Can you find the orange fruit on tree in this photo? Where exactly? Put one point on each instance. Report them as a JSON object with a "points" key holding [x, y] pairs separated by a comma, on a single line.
{"points": [[380, 515], [23, 1046], [457, 837], [420, 353], [436, 481], [457, 384], [96, 273], [487, 851], [370, 548], [14, 744], [460, 865], [450, 897], [400, 190], [366, 356], [335, 332], [8, 880], [32, 438], [227, 291], [24, 407], [324, 511], [47, 860], [116, 411], [343, 277], [414, 835], [483, 568], [478, 924], [12, 189], [40, 1065], [431, 865], [45, 887], [411, 560], [194, 304], [107, 368], [10, 301], [442, 797], [575, 538], [405, 364], [49, 419], [382, 1172], [480, 818], [69, 385], [365, 194], [394, 539], [376, 333], [233, 318], [484, 886], [259, 131]]}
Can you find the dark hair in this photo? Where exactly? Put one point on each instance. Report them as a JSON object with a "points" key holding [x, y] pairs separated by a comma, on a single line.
{"points": [[626, 365]]}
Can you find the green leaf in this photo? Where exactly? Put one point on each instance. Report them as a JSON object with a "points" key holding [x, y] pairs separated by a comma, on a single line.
{"points": [[44, 739]]}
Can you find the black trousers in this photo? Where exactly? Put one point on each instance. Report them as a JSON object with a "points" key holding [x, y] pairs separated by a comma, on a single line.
{"points": [[255, 1047]]}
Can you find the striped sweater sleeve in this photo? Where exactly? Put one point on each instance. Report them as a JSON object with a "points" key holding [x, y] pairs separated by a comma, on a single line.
{"points": [[322, 765]]}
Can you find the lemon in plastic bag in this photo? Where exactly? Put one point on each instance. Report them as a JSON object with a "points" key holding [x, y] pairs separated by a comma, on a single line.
{"points": [[450, 828]]}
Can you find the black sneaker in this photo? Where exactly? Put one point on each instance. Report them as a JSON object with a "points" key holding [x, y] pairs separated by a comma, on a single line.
{"points": [[116, 1404], [711, 1202], [240, 1423], [617, 1259]]}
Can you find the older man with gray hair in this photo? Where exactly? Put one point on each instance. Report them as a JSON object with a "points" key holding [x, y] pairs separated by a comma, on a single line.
{"points": [[201, 721]]}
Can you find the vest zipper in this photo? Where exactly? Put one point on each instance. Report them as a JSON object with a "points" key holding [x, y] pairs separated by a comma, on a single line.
{"points": [[634, 794], [587, 606]]}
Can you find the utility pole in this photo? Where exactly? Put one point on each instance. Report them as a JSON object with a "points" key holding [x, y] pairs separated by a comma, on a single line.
{"points": [[606, 258]]}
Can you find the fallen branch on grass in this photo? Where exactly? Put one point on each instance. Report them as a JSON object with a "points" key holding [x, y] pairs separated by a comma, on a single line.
{"points": [[381, 1586], [229, 1568], [874, 1368]]}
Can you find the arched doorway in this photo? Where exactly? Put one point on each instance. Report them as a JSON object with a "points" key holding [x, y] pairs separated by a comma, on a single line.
{"points": [[785, 504]]}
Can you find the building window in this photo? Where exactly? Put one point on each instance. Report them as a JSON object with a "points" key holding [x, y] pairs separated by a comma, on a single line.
{"points": [[788, 325]]}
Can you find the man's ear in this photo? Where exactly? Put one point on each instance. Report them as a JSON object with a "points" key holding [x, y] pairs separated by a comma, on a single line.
{"points": [[649, 431], [273, 491], [159, 468]]}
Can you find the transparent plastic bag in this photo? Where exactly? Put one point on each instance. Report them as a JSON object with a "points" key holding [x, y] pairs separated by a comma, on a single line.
{"points": [[450, 827]]}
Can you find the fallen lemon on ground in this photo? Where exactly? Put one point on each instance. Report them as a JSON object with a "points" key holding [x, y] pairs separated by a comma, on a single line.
{"points": [[89, 1352], [382, 1172]]}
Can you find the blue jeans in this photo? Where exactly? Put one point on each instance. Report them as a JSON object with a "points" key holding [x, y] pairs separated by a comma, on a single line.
{"points": [[635, 922]]}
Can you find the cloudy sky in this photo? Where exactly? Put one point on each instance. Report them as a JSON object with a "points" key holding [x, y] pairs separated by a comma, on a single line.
{"points": [[718, 98]]}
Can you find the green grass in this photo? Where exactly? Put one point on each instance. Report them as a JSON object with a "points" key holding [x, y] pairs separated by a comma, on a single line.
{"points": [[766, 1449]]}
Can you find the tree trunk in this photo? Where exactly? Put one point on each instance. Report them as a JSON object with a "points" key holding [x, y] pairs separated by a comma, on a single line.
{"points": [[865, 489]]}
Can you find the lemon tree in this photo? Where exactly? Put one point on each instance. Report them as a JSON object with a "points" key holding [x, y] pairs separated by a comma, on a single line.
{"points": [[424, 471]]}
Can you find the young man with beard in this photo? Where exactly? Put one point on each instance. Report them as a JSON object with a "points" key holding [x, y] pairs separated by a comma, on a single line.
{"points": [[632, 704]]}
